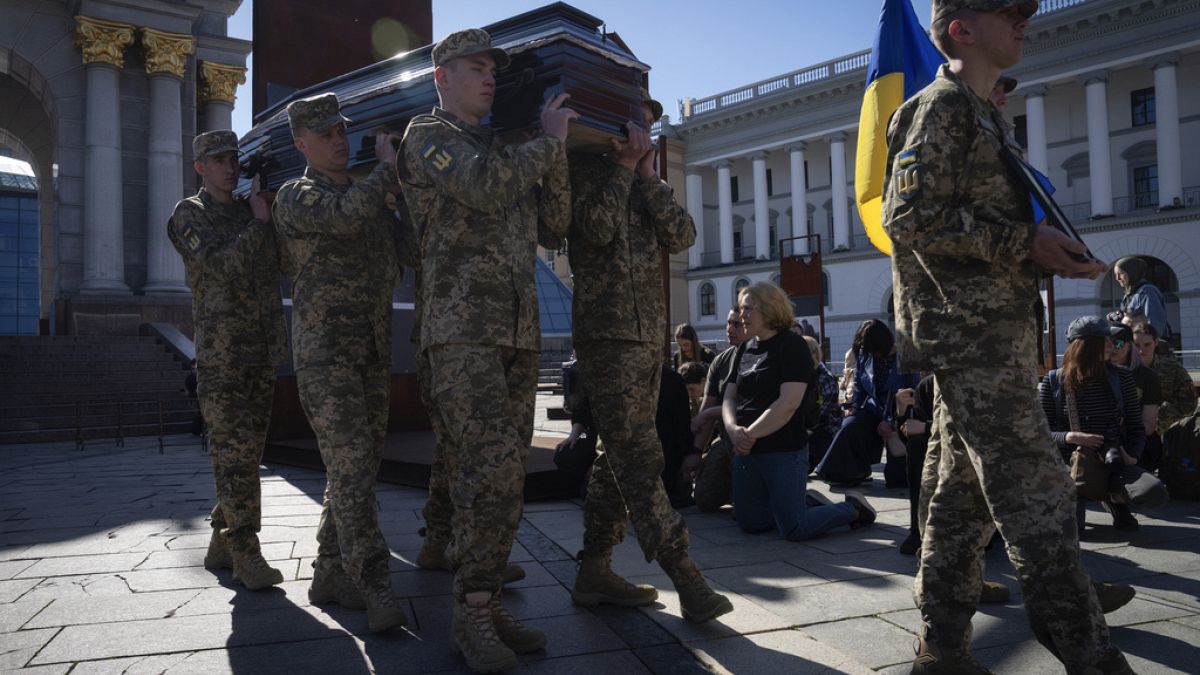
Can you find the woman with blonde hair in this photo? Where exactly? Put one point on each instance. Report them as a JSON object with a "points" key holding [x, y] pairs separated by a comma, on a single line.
{"points": [[764, 411]]}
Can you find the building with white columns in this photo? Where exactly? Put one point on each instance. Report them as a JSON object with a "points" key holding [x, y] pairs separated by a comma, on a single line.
{"points": [[102, 98], [1108, 107]]}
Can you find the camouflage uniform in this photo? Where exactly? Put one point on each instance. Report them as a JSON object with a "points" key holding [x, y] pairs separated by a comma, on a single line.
{"points": [[1178, 393], [961, 227], [619, 228], [480, 213], [339, 250], [233, 270]]}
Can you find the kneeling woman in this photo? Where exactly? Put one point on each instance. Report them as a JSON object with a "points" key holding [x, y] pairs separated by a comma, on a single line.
{"points": [[774, 373]]}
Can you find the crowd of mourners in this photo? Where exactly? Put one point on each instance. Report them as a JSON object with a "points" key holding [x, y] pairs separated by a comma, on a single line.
{"points": [[750, 425]]}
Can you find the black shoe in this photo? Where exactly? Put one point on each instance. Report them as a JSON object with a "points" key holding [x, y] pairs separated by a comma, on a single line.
{"points": [[866, 513], [1123, 520], [911, 545]]}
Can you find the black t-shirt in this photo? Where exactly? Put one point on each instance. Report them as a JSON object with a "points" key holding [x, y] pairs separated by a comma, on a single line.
{"points": [[761, 371], [718, 372]]}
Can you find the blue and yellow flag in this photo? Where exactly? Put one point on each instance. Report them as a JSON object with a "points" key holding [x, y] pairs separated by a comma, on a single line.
{"points": [[903, 61]]}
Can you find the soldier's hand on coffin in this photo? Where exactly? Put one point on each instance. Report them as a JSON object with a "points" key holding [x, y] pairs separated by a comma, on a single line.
{"points": [[1053, 250], [629, 152], [555, 118], [258, 204], [385, 146]]}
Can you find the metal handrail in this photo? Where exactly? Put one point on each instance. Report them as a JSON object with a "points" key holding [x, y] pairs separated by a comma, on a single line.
{"points": [[119, 407]]}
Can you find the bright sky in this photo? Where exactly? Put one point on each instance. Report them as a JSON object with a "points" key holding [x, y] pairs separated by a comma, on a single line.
{"points": [[694, 47]]}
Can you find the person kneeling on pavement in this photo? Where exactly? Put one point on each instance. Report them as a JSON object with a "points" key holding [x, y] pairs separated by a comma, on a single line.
{"points": [[764, 417]]}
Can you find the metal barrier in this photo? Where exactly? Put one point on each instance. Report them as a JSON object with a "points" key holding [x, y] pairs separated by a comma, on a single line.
{"points": [[119, 409]]}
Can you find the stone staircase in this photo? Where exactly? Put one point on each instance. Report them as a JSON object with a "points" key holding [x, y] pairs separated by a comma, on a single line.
{"points": [[56, 388]]}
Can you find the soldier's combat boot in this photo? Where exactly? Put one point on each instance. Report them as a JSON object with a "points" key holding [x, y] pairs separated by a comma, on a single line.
{"points": [[383, 608], [934, 658], [432, 556], [697, 601], [252, 570], [473, 633], [596, 583], [330, 584], [218, 555], [1113, 596], [513, 633], [994, 592]]}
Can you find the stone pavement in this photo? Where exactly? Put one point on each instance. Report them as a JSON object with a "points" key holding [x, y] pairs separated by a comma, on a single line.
{"points": [[101, 572]]}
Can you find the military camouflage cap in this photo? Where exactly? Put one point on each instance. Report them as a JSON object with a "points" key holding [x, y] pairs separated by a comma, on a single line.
{"points": [[315, 112], [214, 143], [656, 108], [943, 8], [1091, 326], [1009, 83], [464, 43]]}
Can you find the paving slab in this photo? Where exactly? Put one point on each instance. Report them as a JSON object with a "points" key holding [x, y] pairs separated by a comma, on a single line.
{"points": [[16, 649], [15, 615], [873, 642], [15, 588], [115, 608], [782, 651]]}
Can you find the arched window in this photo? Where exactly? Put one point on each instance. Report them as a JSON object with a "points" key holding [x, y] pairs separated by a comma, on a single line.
{"points": [[738, 285], [1158, 273], [708, 299]]}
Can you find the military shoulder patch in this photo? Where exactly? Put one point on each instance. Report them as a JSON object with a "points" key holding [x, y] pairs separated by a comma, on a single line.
{"points": [[908, 175], [440, 159], [309, 197], [190, 237]]}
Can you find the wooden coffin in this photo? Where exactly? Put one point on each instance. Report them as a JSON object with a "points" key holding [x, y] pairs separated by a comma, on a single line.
{"points": [[554, 49]]}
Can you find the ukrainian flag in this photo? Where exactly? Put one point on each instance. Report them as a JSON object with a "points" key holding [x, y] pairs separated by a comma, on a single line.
{"points": [[903, 61]]}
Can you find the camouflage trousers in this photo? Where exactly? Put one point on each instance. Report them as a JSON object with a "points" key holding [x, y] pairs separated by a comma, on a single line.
{"points": [[621, 380], [484, 397], [439, 509], [347, 406], [998, 467], [236, 403]]}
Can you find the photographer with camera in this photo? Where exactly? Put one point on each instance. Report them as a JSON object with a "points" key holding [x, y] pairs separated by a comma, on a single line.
{"points": [[1093, 406]]}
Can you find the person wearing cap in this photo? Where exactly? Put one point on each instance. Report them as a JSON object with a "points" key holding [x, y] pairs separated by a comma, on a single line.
{"points": [[338, 241], [230, 259], [623, 218], [1104, 420], [966, 255], [480, 209]]}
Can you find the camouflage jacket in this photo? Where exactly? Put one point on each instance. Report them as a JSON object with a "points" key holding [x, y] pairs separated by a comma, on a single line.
{"points": [[479, 213], [339, 248], [232, 267], [1178, 393], [961, 227], [619, 228]]}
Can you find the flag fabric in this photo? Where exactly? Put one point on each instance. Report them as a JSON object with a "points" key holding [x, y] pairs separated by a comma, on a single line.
{"points": [[903, 61]]}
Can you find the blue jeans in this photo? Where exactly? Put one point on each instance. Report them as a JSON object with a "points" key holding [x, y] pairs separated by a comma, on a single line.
{"points": [[768, 490]]}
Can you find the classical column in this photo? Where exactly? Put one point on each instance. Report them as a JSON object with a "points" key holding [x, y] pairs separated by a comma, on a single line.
{"points": [[841, 217], [166, 58], [1099, 150], [1035, 127], [725, 210], [218, 90], [1166, 125], [102, 44], [762, 216], [799, 195], [695, 207]]}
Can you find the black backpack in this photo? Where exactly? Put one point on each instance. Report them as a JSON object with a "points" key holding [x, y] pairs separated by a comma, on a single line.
{"points": [[1180, 468]]}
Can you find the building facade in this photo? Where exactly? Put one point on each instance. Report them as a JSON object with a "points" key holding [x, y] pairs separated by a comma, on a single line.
{"points": [[102, 98], [1106, 107]]}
